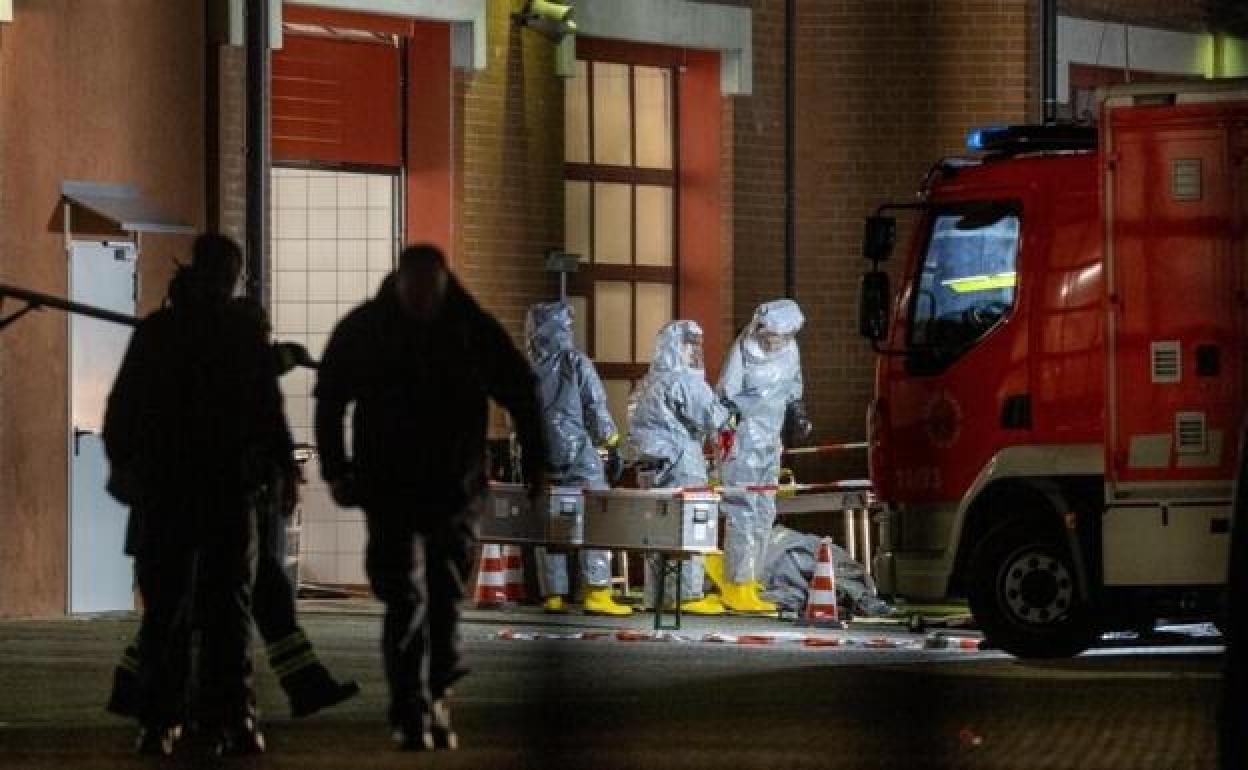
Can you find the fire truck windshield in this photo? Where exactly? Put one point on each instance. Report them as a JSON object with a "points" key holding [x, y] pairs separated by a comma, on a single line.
{"points": [[967, 279]]}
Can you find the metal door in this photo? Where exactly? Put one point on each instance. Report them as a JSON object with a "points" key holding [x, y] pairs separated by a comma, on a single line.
{"points": [[100, 574]]}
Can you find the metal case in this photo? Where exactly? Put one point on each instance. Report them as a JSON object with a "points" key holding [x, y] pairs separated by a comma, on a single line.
{"points": [[652, 519], [506, 516]]}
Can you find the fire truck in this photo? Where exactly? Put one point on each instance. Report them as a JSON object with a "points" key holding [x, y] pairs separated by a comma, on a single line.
{"points": [[1060, 377]]}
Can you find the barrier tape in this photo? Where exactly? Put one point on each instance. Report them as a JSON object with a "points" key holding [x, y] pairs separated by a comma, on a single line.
{"points": [[825, 448], [945, 642], [749, 640]]}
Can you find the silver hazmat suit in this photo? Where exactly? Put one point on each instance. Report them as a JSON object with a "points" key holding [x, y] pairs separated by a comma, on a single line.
{"points": [[671, 415], [576, 419], [762, 376]]}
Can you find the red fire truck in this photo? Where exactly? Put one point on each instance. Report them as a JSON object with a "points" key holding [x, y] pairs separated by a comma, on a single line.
{"points": [[1061, 371]]}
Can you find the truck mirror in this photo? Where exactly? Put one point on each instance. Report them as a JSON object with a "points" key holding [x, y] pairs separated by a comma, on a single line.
{"points": [[879, 237], [873, 306]]}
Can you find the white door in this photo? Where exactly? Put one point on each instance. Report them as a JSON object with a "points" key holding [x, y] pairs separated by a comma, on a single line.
{"points": [[100, 574]]}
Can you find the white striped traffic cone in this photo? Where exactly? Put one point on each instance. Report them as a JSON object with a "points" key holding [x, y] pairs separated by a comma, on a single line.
{"points": [[513, 565], [492, 579], [821, 609]]}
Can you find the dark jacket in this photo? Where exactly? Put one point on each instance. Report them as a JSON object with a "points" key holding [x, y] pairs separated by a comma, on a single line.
{"points": [[421, 392], [194, 422]]}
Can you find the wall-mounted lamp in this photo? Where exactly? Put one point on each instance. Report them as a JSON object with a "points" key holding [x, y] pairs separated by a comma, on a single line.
{"points": [[554, 21]]}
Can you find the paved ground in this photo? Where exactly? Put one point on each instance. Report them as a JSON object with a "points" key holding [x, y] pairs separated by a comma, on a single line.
{"points": [[606, 703]]}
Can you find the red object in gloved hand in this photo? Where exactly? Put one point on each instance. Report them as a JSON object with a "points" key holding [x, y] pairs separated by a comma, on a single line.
{"points": [[727, 440]]}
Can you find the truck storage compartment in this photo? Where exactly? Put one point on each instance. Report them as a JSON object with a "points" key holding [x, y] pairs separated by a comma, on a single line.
{"points": [[1171, 545]]}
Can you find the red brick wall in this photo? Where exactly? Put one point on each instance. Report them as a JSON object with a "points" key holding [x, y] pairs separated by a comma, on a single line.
{"points": [[884, 89]]}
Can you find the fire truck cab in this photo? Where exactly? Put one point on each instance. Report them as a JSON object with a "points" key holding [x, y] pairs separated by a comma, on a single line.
{"points": [[1061, 369]]}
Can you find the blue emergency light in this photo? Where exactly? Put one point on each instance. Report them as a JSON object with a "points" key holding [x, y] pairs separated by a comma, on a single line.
{"points": [[982, 138], [1014, 140]]}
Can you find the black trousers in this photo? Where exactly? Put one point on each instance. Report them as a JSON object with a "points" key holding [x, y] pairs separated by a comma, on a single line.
{"points": [[196, 582], [418, 561], [273, 605]]}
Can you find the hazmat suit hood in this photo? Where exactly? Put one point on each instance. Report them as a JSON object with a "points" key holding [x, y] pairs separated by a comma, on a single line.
{"points": [[673, 411], [781, 319], [670, 348], [548, 329]]}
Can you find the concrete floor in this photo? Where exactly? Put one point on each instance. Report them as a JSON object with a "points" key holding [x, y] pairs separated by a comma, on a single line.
{"points": [[606, 703]]}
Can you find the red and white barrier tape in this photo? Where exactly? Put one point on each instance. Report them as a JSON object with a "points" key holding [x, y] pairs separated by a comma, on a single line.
{"points": [[947, 642], [825, 448], [747, 640]]}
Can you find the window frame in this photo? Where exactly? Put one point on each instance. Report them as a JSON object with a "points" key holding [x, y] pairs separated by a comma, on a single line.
{"points": [[582, 283]]}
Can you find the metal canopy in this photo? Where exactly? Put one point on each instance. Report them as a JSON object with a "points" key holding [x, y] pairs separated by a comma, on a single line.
{"points": [[123, 205]]}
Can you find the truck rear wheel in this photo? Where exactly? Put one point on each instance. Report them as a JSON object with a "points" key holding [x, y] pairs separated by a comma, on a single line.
{"points": [[1024, 594]]}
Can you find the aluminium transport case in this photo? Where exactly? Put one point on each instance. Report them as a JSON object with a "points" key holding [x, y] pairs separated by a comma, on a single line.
{"points": [[506, 516], [672, 520]]}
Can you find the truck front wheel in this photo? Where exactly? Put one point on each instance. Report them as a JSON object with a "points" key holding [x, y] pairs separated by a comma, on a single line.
{"points": [[1024, 594]]}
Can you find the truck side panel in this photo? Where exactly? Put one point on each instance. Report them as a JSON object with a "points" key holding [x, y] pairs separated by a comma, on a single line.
{"points": [[1175, 230]]}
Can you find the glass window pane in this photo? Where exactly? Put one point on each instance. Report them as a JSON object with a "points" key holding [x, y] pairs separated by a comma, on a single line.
{"points": [[613, 224], [612, 116], [968, 279], [654, 308], [654, 225], [580, 325], [576, 218], [576, 116], [613, 316], [652, 87], [617, 402]]}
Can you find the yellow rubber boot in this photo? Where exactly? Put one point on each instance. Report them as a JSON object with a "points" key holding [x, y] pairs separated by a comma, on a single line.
{"points": [[554, 604], [707, 605], [761, 604], [600, 602], [742, 598], [714, 566]]}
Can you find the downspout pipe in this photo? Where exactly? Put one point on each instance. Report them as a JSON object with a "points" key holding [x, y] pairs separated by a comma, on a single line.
{"points": [[1048, 9], [790, 141], [257, 150]]}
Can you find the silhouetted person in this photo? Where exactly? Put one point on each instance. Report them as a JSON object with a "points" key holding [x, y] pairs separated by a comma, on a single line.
{"points": [[419, 362], [308, 685], [194, 429]]}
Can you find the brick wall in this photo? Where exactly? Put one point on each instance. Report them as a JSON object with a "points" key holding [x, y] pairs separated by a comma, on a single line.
{"points": [[883, 89], [232, 136], [511, 180]]}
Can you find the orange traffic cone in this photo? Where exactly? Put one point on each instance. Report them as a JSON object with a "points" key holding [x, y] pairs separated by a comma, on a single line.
{"points": [[821, 609], [513, 561], [492, 579]]}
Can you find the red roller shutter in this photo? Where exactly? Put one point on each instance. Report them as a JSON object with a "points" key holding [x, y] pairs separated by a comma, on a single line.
{"points": [[337, 101]]}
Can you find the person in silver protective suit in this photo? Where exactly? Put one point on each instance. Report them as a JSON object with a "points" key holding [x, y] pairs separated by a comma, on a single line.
{"points": [[577, 422], [671, 415], [762, 383]]}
